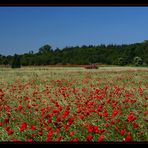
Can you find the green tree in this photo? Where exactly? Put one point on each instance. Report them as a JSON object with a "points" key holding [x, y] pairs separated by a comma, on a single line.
{"points": [[103, 54], [5, 62], [16, 63], [45, 49]]}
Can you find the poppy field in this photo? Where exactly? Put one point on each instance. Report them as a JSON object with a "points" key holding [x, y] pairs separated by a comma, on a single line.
{"points": [[45, 104]]}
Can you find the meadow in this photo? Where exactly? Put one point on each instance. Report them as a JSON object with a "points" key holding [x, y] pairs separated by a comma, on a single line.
{"points": [[43, 104]]}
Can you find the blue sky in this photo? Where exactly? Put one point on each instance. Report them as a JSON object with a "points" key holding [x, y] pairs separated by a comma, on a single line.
{"points": [[28, 28]]}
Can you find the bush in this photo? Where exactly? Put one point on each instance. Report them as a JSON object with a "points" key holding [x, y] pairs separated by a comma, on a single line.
{"points": [[121, 62], [138, 61]]}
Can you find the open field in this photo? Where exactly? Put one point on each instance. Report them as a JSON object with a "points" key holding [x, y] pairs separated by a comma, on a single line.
{"points": [[74, 104]]}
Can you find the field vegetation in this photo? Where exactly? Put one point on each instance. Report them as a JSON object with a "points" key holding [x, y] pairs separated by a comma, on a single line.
{"points": [[43, 104]]}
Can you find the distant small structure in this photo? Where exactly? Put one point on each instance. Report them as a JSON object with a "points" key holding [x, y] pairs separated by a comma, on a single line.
{"points": [[91, 66]]}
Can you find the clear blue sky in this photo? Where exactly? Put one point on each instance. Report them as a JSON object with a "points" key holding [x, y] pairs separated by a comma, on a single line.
{"points": [[28, 28]]}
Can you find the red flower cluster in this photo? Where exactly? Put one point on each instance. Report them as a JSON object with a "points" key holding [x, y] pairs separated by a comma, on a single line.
{"points": [[70, 121], [66, 112], [92, 128]]}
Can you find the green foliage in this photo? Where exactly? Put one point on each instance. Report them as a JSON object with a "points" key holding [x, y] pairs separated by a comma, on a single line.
{"points": [[16, 63], [121, 61], [137, 61], [84, 55], [45, 49]]}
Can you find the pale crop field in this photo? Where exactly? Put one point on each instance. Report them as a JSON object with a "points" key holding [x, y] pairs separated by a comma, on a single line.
{"points": [[45, 104]]}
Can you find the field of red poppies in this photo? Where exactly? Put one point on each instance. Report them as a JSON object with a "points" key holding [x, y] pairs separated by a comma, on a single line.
{"points": [[73, 104]]}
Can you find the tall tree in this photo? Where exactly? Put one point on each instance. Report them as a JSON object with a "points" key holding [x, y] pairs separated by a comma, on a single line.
{"points": [[45, 49], [16, 63]]}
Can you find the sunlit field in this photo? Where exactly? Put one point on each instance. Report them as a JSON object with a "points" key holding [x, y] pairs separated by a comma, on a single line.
{"points": [[45, 104]]}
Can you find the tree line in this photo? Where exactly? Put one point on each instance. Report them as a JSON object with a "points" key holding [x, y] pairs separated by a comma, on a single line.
{"points": [[112, 54]]}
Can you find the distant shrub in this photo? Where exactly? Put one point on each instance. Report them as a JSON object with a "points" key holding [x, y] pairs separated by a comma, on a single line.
{"points": [[121, 61], [138, 61], [92, 66]]}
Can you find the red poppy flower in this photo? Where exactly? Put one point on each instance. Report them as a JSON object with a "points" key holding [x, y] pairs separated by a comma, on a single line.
{"points": [[101, 131], [48, 140], [127, 138], [106, 124], [23, 127], [75, 140], [96, 91], [101, 138], [65, 114], [105, 113], [40, 133], [58, 139], [49, 134], [28, 106], [114, 113], [96, 129], [130, 118], [57, 131], [108, 100], [10, 132], [70, 121], [7, 128], [71, 133], [89, 137], [122, 132], [140, 133], [49, 120], [135, 125], [116, 128], [127, 95], [19, 107], [90, 128], [6, 120], [7, 108], [32, 127], [29, 140]]}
